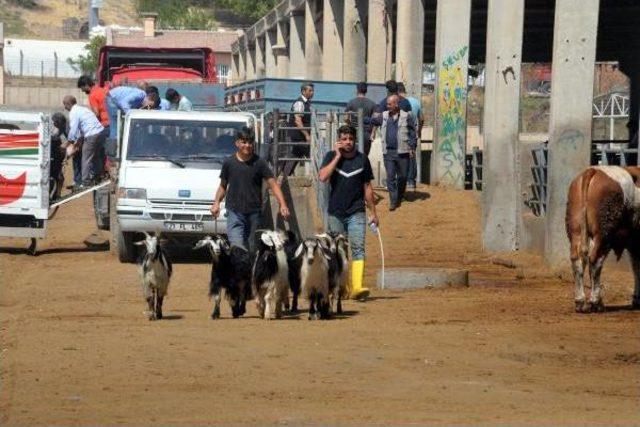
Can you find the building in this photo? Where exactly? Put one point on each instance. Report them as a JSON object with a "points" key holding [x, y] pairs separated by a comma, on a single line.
{"points": [[150, 36]]}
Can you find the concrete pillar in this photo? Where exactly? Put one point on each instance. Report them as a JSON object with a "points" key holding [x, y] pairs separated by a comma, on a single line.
{"points": [[260, 66], [409, 45], [574, 49], [242, 65], [271, 69], [312, 46], [332, 46], [297, 66], [250, 62], [452, 62], [235, 75], [355, 41], [281, 49], [500, 189], [380, 41]]}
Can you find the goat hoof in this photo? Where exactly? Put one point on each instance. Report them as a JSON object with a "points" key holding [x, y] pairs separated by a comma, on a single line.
{"points": [[215, 314], [596, 306], [581, 306]]}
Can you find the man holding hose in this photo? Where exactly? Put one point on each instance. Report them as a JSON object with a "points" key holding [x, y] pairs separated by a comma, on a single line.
{"points": [[349, 174]]}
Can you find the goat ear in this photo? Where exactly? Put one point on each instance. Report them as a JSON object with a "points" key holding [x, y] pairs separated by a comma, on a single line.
{"points": [[146, 234], [266, 239], [202, 243], [299, 250], [140, 243], [323, 244], [327, 254]]}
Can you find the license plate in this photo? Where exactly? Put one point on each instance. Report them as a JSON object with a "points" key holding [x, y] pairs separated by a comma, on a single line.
{"points": [[183, 226]]}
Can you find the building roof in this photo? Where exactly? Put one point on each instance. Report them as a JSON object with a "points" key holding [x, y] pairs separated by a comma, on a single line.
{"points": [[218, 41]]}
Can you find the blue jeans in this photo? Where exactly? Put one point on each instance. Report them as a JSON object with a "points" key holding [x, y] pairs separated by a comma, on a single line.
{"points": [[354, 226], [241, 229], [397, 166]]}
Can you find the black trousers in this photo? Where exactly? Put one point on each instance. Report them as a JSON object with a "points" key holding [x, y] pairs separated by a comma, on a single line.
{"points": [[397, 166]]}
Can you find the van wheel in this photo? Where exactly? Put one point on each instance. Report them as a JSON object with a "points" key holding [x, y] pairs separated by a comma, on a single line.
{"points": [[125, 247], [121, 243]]}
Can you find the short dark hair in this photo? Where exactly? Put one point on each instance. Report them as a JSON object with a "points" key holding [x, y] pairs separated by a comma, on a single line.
{"points": [[152, 89], [171, 94], [85, 81], [362, 87], [305, 85], [245, 134], [401, 87], [347, 129], [392, 86], [153, 96]]}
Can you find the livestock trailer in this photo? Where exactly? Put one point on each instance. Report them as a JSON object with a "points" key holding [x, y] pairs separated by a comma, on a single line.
{"points": [[25, 198]]}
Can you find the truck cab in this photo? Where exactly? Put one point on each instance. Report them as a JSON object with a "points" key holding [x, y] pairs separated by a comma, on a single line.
{"points": [[170, 164]]}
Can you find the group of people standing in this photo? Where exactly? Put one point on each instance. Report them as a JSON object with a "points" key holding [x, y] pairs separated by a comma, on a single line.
{"points": [[398, 120], [89, 135]]}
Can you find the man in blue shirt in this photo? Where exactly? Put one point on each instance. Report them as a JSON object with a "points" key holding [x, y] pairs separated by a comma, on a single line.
{"points": [[416, 112], [392, 89], [122, 98], [83, 124], [398, 139]]}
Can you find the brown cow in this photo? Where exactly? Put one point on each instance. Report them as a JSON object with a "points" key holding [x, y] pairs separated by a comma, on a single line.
{"points": [[603, 214]]}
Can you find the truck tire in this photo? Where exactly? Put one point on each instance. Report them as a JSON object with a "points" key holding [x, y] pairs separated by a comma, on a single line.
{"points": [[125, 247], [101, 208], [121, 244]]}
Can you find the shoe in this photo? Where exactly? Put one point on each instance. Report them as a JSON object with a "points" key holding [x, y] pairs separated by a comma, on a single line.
{"points": [[392, 207], [358, 292]]}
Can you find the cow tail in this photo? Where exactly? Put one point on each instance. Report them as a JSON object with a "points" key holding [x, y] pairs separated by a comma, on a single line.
{"points": [[584, 226]]}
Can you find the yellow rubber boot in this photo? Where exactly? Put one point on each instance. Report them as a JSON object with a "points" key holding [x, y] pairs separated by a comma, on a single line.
{"points": [[357, 277]]}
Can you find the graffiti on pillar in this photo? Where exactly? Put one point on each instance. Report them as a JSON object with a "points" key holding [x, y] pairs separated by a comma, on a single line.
{"points": [[452, 97]]}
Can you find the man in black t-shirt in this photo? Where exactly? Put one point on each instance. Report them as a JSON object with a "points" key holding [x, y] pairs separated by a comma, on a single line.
{"points": [[349, 174], [241, 183], [368, 107]]}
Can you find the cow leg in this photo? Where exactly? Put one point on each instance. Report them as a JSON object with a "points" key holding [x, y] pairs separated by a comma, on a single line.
{"points": [[339, 305], [260, 303], [294, 300], [578, 263], [635, 263], [269, 302], [595, 270]]}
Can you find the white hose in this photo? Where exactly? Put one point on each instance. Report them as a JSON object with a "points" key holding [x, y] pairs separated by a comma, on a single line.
{"points": [[376, 231]]}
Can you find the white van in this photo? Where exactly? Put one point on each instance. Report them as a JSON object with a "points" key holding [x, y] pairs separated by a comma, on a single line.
{"points": [[169, 171]]}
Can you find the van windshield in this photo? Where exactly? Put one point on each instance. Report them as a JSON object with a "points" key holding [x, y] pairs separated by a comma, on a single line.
{"points": [[195, 140]]}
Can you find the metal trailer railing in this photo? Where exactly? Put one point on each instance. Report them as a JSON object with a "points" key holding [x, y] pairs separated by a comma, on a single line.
{"points": [[538, 200], [476, 169]]}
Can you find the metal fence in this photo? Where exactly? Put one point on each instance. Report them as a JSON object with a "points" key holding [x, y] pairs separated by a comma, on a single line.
{"points": [[538, 200]]}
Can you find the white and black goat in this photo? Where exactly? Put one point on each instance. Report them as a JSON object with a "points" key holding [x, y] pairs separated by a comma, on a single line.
{"points": [[314, 276], [339, 283], [231, 271], [271, 275], [294, 263], [155, 273]]}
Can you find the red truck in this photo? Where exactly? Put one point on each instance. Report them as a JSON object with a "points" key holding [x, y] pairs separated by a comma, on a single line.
{"points": [[192, 65]]}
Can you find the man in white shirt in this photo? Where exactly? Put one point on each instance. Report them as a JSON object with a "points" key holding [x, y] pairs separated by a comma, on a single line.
{"points": [[84, 126], [178, 102]]}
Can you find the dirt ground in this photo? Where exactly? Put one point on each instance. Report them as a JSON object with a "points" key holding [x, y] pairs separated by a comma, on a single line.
{"points": [[77, 349]]}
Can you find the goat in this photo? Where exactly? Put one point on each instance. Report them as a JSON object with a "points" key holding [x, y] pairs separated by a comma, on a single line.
{"points": [[231, 271], [294, 263], [339, 283], [155, 273], [314, 276], [271, 275]]}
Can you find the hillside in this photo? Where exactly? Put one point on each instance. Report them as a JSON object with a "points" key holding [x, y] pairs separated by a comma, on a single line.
{"points": [[45, 21]]}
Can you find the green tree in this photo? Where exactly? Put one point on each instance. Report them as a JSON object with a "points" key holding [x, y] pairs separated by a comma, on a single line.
{"points": [[179, 14], [88, 64], [250, 9]]}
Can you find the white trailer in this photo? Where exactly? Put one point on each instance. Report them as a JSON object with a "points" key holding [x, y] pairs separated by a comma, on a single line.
{"points": [[25, 206]]}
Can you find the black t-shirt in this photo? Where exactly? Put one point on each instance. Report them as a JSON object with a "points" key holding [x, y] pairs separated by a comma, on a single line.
{"points": [[243, 181], [347, 184], [368, 108]]}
